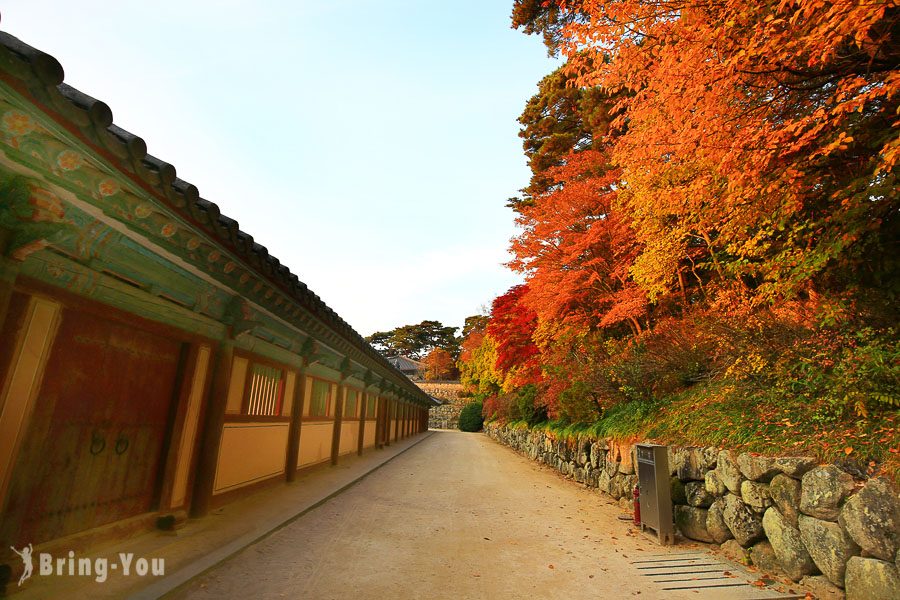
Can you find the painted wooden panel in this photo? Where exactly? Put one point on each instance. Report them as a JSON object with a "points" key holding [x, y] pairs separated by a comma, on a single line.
{"points": [[290, 382], [250, 452], [349, 437], [236, 386], [94, 452], [315, 442], [369, 435]]}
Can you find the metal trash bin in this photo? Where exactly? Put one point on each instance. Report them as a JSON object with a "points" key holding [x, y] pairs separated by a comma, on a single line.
{"points": [[656, 493]]}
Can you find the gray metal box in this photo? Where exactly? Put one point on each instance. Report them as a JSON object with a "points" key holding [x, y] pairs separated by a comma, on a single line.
{"points": [[656, 493]]}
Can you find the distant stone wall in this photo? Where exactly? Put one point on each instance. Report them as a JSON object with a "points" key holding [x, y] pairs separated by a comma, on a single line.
{"points": [[789, 516], [446, 390], [446, 416]]}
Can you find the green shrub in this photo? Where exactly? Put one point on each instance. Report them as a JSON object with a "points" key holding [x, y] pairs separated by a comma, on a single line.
{"points": [[470, 418]]}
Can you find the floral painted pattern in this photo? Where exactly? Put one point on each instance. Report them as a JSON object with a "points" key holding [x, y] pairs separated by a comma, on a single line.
{"points": [[193, 244], [17, 123], [108, 187], [45, 207], [69, 160], [142, 211], [168, 230]]}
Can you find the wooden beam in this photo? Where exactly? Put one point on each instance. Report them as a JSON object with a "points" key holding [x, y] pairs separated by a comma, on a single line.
{"points": [[213, 424]]}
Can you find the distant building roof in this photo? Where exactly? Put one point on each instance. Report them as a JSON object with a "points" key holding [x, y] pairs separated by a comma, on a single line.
{"points": [[405, 364]]}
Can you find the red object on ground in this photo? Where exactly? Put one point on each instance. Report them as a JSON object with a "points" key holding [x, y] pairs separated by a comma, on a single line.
{"points": [[637, 505]]}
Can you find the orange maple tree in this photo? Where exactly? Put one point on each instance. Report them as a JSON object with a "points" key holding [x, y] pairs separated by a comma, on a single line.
{"points": [[714, 202], [767, 132], [577, 249], [439, 364], [512, 326]]}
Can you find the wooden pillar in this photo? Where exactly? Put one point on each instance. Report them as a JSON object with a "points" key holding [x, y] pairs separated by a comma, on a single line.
{"points": [[363, 412], [378, 403], [20, 387], [182, 450], [213, 424], [338, 417], [395, 427], [296, 424], [379, 422], [389, 409], [9, 270]]}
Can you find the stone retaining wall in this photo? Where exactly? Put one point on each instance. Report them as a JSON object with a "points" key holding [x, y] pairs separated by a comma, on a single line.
{"points": [[446, 390], [789, 516], [446, 416]]}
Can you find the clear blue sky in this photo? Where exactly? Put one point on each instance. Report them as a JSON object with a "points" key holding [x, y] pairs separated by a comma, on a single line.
{"points": [[370, 145]]}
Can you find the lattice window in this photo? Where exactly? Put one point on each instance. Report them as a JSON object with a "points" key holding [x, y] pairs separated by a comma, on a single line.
{"points": [[370, 407], [265, 390]]}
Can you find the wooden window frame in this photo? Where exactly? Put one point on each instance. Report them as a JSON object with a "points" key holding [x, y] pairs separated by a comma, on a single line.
{"points": [[244, 415], [372, 415], [355, 416], [329, 400]]}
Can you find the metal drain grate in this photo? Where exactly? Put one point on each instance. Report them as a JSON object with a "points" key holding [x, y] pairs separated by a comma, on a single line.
{"points": [[704, 574]]}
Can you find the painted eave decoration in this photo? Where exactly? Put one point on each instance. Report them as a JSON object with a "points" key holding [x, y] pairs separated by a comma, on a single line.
{"points": [[44, 122]]}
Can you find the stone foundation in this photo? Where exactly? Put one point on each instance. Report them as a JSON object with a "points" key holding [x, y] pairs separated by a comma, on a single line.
{"points": [[446, 416], [812, 523]]}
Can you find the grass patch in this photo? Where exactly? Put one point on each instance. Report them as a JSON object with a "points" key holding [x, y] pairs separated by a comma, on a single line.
{"points": [[728, 416]]}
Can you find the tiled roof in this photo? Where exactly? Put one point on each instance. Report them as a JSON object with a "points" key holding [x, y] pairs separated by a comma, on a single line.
{"points": [[41, 77], [405, 363]]}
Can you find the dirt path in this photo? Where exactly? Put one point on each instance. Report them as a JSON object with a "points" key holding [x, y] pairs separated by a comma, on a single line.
{"points": [[457, 516]]}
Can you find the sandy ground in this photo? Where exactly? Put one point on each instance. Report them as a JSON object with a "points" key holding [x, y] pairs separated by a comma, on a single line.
{"points": [[457, 516]]}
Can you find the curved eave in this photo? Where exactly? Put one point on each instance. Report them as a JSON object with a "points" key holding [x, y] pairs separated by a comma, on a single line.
{"points": [[39, 77]]}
